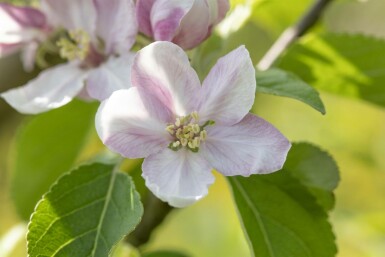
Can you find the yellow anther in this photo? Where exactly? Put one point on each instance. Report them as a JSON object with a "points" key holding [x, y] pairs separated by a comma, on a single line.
{"points": [[203, 135], [171, 129], [76, 47], [196, 128], [195, 116], [183, 141], [187, 132], [177, 122]]}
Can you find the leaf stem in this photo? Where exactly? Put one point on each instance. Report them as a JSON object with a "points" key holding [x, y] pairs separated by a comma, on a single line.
{"points": [[155, 211], [308, 20]]}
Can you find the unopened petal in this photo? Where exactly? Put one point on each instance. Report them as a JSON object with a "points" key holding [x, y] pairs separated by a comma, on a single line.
{"points": [[252, 146], [228, 92], [166, 16], [133, 122], [164, 69], [143, 14], [194, 26], [53, 88], [177, 177], [113, 75], [116, 24]]}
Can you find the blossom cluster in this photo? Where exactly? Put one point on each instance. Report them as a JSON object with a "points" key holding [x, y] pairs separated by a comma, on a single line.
{"points": [[153, 104]]}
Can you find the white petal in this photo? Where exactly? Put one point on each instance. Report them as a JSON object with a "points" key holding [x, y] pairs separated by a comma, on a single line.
{"points": [[53, 88], [28, 55], [116, 24], [228, 91], [71, 14], [163, 66], [252, 146], [133, 123], [113, 75], [177, 177]]}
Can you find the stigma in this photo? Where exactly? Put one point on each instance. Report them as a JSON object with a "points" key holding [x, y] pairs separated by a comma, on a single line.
{"points": [[76, 47], [187, 132]]}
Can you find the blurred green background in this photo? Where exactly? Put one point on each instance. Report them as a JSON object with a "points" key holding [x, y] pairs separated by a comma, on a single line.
{"points": [[352, 131]]}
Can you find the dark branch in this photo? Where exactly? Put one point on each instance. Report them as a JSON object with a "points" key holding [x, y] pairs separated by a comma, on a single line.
{"points": [[291, 34], [155, 211]]}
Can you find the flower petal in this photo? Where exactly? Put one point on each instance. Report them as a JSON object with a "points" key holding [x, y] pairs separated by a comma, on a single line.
{"points": [[166, 16], [143, 11], [113, 75], [116, 24], [252, 146], [28, 55], [71, 14], [20, 24], [228, 91], [7, 49], [133, 123], [163, 67], [194, 26], [177, 177], [53, 88], [218, 10]]}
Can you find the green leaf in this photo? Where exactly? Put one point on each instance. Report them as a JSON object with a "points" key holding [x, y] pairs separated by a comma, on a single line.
{"points": [[315, 169], [165, 254], [46, 147], [282, 83], [85, 213], [349, 65], [281, 218]]}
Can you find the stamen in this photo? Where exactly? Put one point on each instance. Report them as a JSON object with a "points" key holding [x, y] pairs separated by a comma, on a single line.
{"points": [[76, 47], [187, 132]]}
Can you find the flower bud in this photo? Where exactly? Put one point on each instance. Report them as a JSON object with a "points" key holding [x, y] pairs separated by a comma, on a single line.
{"points": [[184, 22]]}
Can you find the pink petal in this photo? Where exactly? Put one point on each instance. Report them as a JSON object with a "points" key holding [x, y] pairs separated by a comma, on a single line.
{"points": [[166, 16], [252, 146], [143, 10], [164, 69], [7, 49], [53, 88], [113, 75], [194, 26], [20, 24], [71, 14], [116, 24], [229, 89], [179, 178], [133, 123]]}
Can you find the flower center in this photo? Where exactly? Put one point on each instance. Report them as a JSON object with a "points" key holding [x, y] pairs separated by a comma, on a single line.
{"points": [[76, 47], [187, 132]]}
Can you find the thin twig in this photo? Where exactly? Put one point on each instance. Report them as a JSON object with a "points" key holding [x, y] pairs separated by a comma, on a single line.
{"points": [[291, 34], [155, 211]]}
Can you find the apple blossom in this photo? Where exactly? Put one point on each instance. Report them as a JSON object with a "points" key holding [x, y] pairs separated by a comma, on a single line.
{"points": [[183, 129], [101, 34], [184, 22], [21, 28]]}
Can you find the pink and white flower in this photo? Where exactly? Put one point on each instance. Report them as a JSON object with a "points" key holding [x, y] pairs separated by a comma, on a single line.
{"points": [[185, 22], [183, 129], [101, 35], [21, 28]]}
